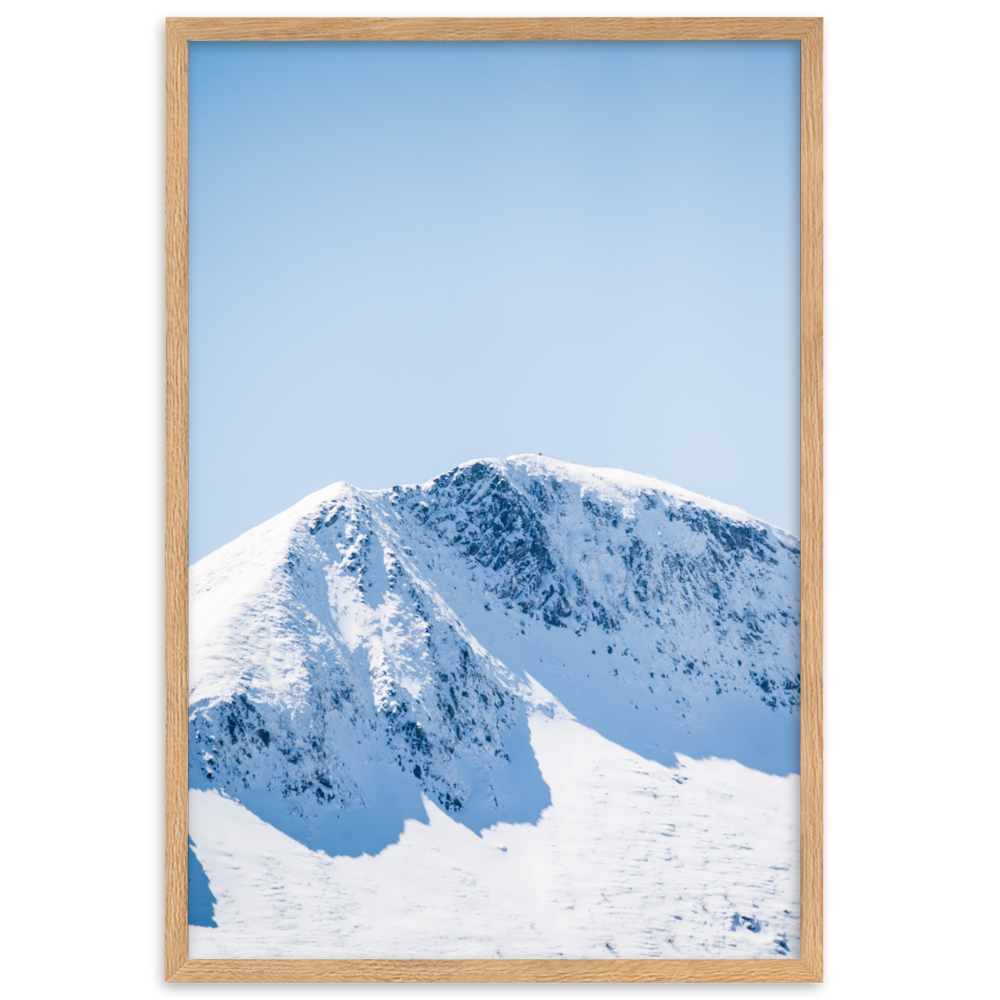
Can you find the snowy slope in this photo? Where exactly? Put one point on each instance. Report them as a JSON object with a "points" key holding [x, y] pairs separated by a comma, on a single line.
{"points": [[365, 653]]}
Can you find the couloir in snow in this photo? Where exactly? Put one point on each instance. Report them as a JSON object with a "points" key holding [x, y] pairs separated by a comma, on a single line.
{"points": [[527, 709]]}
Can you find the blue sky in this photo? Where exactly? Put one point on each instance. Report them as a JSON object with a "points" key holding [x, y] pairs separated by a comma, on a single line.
{"points": [[407, 255]]}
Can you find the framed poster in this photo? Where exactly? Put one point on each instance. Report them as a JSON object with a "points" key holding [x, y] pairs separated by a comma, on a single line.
{"points": [[555, 193]]}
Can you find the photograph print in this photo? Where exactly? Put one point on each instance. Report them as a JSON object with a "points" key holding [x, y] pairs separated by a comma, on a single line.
{"points": [[494, 484]]}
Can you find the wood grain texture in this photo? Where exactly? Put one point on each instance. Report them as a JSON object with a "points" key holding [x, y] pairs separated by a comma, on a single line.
{"points": [[177, 500], [809, 32], [495, 971], [811, 447], [445, 29]]}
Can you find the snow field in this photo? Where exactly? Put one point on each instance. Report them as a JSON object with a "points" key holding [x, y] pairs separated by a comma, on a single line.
{"points": [[632, 860]]}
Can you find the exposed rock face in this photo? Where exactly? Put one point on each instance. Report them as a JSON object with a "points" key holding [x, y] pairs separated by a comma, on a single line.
{"points": [[366, 647]]}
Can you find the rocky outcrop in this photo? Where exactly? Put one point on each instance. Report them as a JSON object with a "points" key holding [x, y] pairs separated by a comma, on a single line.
{"points": [[364, 649]]}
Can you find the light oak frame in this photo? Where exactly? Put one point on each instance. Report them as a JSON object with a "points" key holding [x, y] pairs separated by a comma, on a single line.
{"points": [[178, 31]]}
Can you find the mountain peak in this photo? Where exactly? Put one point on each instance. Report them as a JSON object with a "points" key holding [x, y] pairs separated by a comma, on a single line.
{"points": [[367, 648], [407, 617]]}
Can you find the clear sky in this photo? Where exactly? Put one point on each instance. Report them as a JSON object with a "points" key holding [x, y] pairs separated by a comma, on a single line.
{"points": [[407, 255]]}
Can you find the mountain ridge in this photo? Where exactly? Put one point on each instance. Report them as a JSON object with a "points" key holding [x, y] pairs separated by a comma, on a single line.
{"points": [[404, 622]]}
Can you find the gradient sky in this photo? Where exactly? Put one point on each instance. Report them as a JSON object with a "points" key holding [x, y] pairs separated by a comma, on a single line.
{"points": [[405, 255]]}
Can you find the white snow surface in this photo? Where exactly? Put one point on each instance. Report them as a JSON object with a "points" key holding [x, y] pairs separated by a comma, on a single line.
{"points": [[594, 669]]}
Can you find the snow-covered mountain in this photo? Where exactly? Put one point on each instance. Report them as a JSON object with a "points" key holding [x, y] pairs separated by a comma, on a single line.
{"points": [[366, 653]]}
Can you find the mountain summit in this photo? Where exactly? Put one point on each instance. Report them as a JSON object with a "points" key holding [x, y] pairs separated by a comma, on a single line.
{"points": [[364, 650]]}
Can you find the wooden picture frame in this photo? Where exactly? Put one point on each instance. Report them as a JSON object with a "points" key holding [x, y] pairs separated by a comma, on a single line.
{"points": [[181, 31]]}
